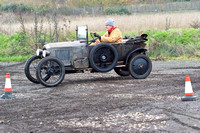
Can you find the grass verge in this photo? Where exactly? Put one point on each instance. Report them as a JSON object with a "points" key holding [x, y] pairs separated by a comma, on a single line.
{"points": [[175, 44]]}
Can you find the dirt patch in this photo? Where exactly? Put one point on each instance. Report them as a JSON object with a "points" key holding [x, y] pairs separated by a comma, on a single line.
{"points": [[103, 102]]}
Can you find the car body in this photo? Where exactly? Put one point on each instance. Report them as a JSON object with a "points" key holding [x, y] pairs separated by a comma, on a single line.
{"points": [[57, 59]]}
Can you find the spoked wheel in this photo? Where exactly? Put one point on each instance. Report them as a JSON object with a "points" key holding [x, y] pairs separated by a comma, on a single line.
{"points": [[140, 66], [122, 71], [103, 57], [52, 67], [30, 68]]}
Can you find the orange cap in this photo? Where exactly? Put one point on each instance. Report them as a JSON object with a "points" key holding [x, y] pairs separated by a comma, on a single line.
{"points": [[7, 75], [187, 78]]}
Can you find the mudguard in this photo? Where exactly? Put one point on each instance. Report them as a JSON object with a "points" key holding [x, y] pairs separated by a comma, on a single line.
{"points": [[140, 50]]}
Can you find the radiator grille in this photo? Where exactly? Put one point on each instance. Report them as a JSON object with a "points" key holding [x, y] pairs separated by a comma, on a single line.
{"points": [[64, 55]]}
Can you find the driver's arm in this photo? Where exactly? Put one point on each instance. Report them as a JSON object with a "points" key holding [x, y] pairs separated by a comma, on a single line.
{"points": [[113, 38], [96, 42]]}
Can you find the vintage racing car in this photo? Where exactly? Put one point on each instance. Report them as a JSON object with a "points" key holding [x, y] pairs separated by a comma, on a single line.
{"points": [[51, 63]]}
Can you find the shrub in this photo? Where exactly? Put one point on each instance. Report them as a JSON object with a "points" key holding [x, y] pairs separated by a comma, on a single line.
{"points": [[42, 10], [109, 11], [69, 11], [10, 8], [24, 8], [195, 24], [123, 11], [118, 11], [16, 8], [174, 43], [16, 44]]}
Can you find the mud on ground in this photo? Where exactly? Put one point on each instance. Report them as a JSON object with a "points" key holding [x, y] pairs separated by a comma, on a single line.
{"points": [[103, 102]]}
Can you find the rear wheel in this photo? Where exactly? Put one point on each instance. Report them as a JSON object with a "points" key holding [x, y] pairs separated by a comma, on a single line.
{"points": [[30, 68], [122, 71], [140, 66], [52, 67], [103, 57]]}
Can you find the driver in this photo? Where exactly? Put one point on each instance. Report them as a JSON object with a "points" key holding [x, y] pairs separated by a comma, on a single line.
{"points": [[113, 35]]}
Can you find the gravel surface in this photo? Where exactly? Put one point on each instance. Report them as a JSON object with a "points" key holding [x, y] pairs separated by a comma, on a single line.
{"points": [[103, 102]]}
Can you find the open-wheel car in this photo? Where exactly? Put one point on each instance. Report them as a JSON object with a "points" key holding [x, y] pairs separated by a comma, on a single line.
{"points": [[51, 63]]}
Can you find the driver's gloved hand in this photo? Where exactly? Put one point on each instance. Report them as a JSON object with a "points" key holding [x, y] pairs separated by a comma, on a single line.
{"points": [[97, 35], [93, 40]]}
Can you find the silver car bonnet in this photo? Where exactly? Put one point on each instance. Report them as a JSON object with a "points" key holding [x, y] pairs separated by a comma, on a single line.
{"points": [[73, 53], [64, 44]]}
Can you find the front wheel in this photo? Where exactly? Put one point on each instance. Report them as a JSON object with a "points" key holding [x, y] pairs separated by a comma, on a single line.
{"points": [[140, 66], [52, 67]]}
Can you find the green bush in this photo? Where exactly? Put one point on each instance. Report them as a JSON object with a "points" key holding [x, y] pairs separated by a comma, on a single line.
{"points": [[117, 10], [70, 11], [109, 11], [16, 44], [25, 8], [16, 8], [180, 36], [123, 11], [10, 8], [174, 43], [43, 10]]}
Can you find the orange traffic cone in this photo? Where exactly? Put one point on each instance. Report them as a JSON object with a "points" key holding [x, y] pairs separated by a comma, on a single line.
{"points": [[189, 94], [8, 88]]}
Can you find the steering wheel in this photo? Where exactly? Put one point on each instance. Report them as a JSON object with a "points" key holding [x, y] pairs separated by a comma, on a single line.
{"points": [[93, 38], [92, 35]]}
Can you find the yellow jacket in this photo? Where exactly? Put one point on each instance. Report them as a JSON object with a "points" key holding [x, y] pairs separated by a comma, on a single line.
{"points": [[115, 36]]}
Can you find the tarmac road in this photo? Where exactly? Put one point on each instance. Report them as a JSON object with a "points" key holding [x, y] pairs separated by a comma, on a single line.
{"points": [[103, 102]]}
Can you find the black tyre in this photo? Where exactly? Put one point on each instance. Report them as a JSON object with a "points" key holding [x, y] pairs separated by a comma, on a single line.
{"points": [[52, 67], [30, 68], [103, 57], [140, 66], [122, 71]]}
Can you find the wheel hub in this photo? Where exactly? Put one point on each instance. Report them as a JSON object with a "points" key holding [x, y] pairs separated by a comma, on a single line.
{"points": [[50, 71], [140, 66], [103, 58]]}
